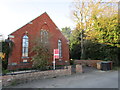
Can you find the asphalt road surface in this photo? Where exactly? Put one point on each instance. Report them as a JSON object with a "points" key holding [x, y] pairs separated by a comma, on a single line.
{"points": [[92, 79]]}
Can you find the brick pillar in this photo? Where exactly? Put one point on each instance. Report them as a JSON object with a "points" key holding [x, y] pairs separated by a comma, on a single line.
{"points": [[79, 68], [99, 66]]}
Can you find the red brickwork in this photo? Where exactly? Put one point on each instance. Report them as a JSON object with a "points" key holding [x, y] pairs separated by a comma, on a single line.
{"points": [[92, 63], [27, 77], [33, 29], [79, 69]]}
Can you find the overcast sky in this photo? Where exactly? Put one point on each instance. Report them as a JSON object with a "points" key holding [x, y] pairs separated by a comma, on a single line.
{"points": [[16, 13]]}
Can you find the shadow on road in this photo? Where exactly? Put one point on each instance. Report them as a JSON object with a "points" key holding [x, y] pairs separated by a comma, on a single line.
{"points": [[87, 69]]}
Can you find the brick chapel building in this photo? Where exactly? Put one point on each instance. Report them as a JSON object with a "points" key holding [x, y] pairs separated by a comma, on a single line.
{"points": [[23, 38]]}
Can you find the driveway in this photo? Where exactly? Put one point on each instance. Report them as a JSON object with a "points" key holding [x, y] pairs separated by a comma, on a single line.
{"points": [[91, 78]]}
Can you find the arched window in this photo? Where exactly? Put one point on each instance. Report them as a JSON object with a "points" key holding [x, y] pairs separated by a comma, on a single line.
{"points": [[25, 46], [60, 48], [44, 36]]}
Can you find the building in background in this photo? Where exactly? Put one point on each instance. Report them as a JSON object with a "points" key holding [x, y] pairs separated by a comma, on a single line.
{"points": [[23, 42]]}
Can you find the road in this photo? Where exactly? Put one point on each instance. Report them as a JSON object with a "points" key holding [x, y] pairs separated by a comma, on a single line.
{"points": [[94, 79]]}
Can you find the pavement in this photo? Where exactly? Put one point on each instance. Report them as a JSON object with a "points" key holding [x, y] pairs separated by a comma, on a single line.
{"points": [[91, 78]]}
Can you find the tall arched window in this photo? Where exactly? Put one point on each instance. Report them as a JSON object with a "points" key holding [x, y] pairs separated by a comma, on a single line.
{"points": [[60, 48], [25, 46], [44, 36]]}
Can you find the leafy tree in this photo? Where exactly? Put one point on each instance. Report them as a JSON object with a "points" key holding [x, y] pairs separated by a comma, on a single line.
{"points": [[82, 13], [104, 25], [42, 54], [98, 51], [7, 47], [67, 32], [75, 44], [97, 22]]}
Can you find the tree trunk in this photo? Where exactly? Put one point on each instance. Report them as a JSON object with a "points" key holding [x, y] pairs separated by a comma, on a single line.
{"points": [[82, 46]]}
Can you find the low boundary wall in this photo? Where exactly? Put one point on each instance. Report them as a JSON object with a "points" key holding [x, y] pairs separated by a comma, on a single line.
{"points": [[27, 77], [92, 63], [8, 80]]}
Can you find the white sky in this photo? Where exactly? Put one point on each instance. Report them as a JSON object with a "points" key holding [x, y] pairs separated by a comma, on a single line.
{"points": [[16, 13]]}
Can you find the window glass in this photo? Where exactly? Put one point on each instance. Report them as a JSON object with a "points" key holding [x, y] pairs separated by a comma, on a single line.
{"points": [[25, 46], [60, 48], [44, 36]]}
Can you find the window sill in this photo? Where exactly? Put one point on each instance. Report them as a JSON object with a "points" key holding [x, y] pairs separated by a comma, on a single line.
{"points": [[25, 57], [24, 62]]}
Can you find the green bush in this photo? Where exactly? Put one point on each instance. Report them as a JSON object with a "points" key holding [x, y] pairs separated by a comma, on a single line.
{"points": [[96, 51], [42, 55], [4, 64], [5, 71]]}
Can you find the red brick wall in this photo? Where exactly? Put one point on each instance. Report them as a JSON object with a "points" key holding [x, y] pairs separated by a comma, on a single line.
{"points": [[27, 77], [92, 63], [41, 22], [79, 69]]}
